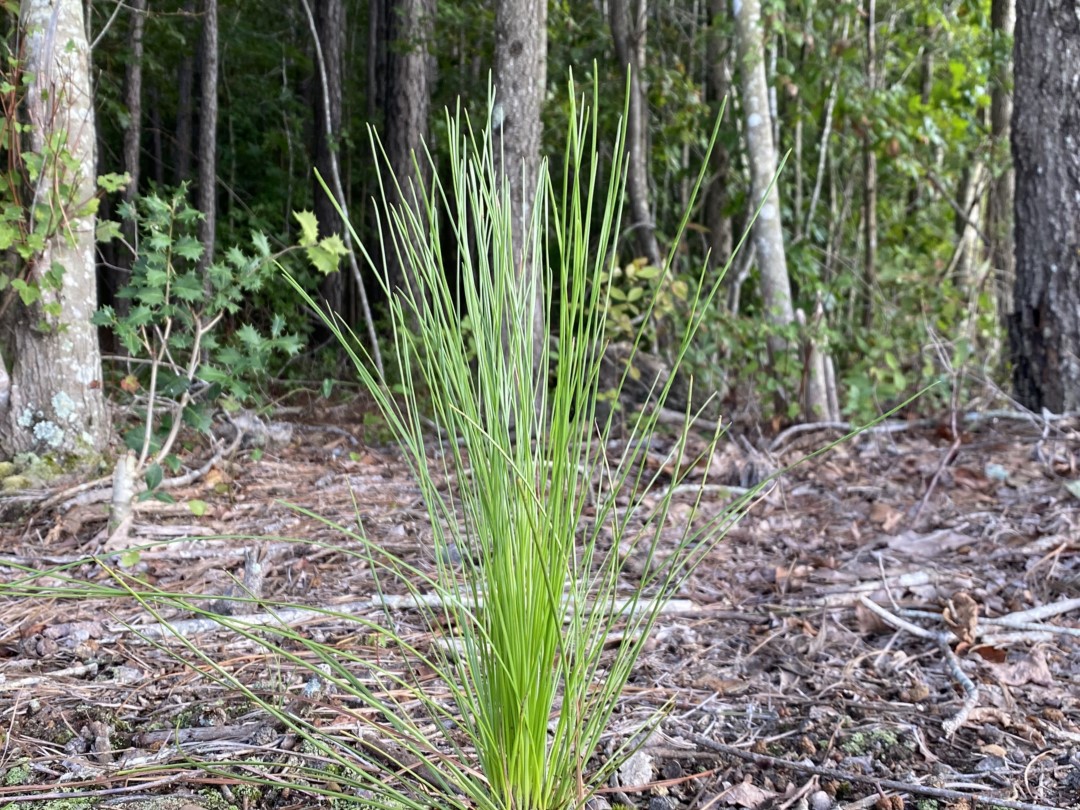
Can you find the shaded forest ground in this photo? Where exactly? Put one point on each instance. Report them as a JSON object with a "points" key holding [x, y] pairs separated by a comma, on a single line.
{"points": [[784, 688]]}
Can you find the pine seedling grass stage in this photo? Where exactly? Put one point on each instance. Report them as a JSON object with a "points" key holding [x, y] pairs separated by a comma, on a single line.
{"points": [[532, 513]]}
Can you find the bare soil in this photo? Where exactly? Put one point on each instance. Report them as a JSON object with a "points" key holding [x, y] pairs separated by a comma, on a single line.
{"points": [[785, 687]]}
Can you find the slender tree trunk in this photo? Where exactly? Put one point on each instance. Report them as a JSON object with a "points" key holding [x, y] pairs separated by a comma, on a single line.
{"points": [[870, 230], [520, 81], [1000, 204], [206, 200], [330, 23], [767, 233], [133, 87], [50, 397], [628, 33], [718, 86], [1045, 331], [410, 66], [185, 106], [337, 188]]}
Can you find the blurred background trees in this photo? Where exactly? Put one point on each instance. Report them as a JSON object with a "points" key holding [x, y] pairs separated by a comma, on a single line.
{"points": [[891, 267]]}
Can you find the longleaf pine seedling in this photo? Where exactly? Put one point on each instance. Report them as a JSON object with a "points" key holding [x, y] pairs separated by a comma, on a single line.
{"points": [[524, 532]]}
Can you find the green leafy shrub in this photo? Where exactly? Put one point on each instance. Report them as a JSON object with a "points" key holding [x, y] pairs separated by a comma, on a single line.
{"points": [[187, 355]]}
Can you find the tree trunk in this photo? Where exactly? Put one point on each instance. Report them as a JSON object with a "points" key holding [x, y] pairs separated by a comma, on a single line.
{"points": [[133, 88], [50, 399], [1000, 204], [376, 57], [409, 70], [870, 233], [717, 87], [628, 33], [1045, 330], [185, 115], [206, 200], [133, 97], [767, 233], [520, 81], [330, 23]]}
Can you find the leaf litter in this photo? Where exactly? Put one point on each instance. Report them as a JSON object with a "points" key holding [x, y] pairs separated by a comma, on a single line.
{"points": [[833, 651]]}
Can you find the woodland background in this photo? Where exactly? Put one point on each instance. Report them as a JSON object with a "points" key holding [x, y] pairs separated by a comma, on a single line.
{"points": [[891, 119]]}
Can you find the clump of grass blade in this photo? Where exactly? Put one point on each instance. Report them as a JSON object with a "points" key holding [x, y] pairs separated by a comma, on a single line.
{"points": [[533, 506]]}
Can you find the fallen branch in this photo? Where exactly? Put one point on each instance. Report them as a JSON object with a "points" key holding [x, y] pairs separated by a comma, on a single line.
{"points": [[942, 639]]}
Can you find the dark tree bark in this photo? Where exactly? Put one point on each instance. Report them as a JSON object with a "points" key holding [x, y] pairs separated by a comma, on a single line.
{"points": [[409, 70], [1045, 327], [628, 33], [133, 86], [520, 81], [376, 57], [330, 23], [185, 115], [206, 199]]}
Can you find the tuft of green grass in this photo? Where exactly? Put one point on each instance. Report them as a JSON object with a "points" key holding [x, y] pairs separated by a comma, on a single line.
{"points": [[535, 508]]}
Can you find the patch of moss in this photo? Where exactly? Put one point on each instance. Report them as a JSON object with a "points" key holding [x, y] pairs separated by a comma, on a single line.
{"points": [[14, 483], [212, 799], [17, 775]]}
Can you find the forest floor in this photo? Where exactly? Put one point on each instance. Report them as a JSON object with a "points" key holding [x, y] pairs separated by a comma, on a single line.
{"points": [[784, 689]]}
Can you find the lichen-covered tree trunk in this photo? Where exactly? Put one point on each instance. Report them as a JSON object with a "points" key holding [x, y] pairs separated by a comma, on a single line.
{"points": [[1044, 330], [767, 233], [51, 401]]}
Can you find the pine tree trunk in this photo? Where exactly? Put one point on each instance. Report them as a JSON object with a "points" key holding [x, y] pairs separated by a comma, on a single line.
{"points": [[409, 72], [50, 398], [1045, 330], [185, 109], [206, 198]]}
